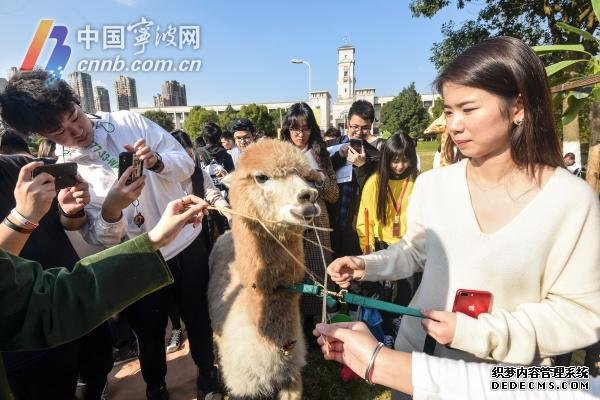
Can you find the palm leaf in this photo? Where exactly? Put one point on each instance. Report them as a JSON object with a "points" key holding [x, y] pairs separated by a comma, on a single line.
{"points": [[554, 68], [551, 48], [596, 7], [580, 32]]}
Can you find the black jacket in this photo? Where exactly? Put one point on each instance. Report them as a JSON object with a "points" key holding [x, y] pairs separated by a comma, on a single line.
{"points": [[217, 153]]}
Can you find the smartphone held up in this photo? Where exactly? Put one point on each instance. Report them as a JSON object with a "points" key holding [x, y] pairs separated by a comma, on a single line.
{"points": [[65, 174], [126, 160]]}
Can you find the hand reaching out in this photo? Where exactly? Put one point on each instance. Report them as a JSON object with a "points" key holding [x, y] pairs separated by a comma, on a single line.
{"points": [[75, 198], [186, 210]]}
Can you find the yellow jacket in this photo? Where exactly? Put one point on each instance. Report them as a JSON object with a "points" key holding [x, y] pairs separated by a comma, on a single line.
{"points": [[368, 200]]}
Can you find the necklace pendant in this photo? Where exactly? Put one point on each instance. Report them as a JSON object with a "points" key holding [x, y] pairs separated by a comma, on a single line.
{"points": [[139, 220]]}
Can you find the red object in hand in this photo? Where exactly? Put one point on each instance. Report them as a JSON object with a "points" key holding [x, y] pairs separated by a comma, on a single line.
{"points": [[347, 374], [472, 302]]}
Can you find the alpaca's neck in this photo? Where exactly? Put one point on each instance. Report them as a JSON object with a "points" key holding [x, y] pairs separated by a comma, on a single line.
{"points": [[265, 270], [263, 262]]}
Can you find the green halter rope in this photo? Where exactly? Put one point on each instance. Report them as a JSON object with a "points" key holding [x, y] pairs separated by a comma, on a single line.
{"points": [[343, 296]]}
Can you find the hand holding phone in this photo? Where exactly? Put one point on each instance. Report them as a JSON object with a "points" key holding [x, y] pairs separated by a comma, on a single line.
{"points": [[356, 144], [33, 196], [128, 159], [472, 302], [74, 199], [65, 174]]}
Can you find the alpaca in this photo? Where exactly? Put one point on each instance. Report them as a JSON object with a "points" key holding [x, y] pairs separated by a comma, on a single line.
{"points": [[256, 322]]}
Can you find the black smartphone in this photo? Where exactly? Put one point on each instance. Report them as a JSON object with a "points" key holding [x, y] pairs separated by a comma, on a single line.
{"points": [[126, 160], [65, 174], [356, 144]]}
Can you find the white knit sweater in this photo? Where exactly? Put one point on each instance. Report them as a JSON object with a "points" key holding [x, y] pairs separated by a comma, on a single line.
{"points": [[543, 268]]}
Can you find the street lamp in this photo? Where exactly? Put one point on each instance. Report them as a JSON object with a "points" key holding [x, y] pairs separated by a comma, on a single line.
{"points": [[298, 61]]}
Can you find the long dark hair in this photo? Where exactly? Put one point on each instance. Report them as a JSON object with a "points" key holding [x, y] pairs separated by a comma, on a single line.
{"points": [[316, 143], [507, 67], [399, 145]]}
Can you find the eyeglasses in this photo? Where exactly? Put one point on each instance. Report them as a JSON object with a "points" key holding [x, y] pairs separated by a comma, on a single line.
{"points": [[365, 128], [244, 139], [299, 132]]}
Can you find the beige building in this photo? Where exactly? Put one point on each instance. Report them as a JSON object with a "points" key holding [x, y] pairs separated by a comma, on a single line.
{"points": [[126, 93], [81, 83], [101, 99]]}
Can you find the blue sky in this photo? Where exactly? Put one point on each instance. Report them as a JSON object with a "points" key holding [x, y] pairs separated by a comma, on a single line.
{"points": [[246, 46]]}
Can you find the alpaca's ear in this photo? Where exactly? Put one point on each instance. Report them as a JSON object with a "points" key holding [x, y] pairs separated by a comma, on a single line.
{"points": [[227, 179]]}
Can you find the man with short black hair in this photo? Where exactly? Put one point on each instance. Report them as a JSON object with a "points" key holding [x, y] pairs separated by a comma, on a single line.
{"points": [[332, 136], [211, 133], [243, 132]]}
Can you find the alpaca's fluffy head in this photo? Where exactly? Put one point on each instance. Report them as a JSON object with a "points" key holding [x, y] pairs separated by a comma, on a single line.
{"points": [[268, 183]]}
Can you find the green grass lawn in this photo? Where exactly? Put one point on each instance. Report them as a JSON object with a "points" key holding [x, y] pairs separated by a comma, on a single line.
{"points": [[426, 151], [322, 381]]}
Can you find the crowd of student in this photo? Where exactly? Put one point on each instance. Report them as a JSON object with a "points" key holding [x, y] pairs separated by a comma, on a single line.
{"points": [[506, 217]]}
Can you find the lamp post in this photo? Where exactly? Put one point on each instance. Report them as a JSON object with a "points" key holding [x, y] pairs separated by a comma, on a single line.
{"points": [[298, 61]]}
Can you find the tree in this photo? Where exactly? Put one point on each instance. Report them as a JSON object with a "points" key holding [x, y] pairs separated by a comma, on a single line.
{"points": [[227, 116], [576, 70], [278, 116], [161, 118], [405, 113], [259, 115], [532, 21], [197, 117]]}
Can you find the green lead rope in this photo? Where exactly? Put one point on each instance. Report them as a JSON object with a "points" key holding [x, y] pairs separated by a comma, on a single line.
{"points": [[343, 296]]}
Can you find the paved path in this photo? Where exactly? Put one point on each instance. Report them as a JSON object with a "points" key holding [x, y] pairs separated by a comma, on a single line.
{"points": [[125, 381]]}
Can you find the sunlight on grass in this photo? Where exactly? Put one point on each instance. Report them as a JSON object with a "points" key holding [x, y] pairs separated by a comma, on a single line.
{"points": [[426, 151]]}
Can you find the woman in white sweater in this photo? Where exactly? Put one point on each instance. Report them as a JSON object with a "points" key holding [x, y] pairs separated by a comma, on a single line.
{"points": [[508, 219]]}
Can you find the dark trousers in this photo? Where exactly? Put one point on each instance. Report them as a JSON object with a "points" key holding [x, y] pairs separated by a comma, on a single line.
{"points": [[148, 318], [120, 331], [174, 315], [52, 374]]}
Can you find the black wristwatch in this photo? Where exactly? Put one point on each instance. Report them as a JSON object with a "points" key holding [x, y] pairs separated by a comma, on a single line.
{"points": [[158, 165]]}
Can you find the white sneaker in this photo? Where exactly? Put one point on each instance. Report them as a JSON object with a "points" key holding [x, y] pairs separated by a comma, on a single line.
{"points": [[175, 341]]}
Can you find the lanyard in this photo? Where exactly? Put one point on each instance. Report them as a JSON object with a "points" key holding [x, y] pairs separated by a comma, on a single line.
{"points": [[398, 205]]}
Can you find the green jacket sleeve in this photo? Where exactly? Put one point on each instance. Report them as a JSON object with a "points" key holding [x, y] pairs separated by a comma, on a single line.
{"points": [[41, 309]]}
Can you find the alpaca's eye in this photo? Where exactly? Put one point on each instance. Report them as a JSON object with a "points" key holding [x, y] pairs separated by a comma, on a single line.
{"points": [[261, 178]]}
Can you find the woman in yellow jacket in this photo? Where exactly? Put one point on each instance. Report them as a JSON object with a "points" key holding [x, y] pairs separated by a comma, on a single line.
{"points": [[386, 193]]}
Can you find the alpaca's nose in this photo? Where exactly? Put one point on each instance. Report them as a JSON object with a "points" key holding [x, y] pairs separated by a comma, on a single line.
{"points": [[307, 196]]}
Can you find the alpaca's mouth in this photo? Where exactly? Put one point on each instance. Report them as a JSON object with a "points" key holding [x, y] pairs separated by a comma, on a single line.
{"points": [[306, 211]]}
